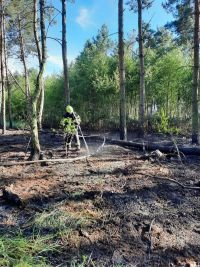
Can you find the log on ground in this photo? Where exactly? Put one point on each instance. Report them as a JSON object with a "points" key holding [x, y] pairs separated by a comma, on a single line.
{"points": [[186, 150]]}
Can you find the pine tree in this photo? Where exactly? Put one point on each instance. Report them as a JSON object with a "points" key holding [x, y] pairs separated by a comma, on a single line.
{"points": [[182, 25], [138, 6], [123, 129]]}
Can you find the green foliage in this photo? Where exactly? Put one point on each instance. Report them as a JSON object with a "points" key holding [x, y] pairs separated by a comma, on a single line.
{"points": [[19, 104], [54, 106], [94, 84], [94, 81], [161, 123], [182, 24], [164, 122]]}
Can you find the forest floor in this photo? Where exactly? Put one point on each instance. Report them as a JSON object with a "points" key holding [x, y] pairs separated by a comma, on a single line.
{"points": [[117, 209]]}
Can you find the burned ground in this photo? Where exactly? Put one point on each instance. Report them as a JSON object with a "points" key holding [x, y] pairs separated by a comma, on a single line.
{"points": [[115, 210]]}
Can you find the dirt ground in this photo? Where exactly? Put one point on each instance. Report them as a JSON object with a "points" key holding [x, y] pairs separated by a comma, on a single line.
{"points": [[118, 208]]}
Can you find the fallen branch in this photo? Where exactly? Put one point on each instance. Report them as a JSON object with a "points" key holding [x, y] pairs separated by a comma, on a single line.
{"points": [[178, 152], [163, 148], [43, 161], [173, 181]]}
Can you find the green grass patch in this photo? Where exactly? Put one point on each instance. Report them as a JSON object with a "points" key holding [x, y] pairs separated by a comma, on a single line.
{"points": [[22, 251], [59, 222]]}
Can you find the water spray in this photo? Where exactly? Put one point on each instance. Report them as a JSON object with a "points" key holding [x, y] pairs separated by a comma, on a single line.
{"points": [[86, 145], [79, 127]]}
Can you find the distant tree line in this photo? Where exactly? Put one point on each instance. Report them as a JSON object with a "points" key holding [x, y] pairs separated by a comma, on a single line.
{"points": [[94, 83]]}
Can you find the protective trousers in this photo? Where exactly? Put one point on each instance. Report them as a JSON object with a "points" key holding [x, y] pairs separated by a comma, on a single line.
{"points": [[69, 139]]}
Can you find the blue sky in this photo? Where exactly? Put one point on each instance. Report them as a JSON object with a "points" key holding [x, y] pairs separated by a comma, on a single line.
{"points": [[85, 17]]}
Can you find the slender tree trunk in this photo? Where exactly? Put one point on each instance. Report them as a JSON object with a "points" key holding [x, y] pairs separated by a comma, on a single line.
{"points": [[142, 68], [10, 104], [0, 93], [2, 55], [35, 144], [35, 30], [23, 59], [41, 105], [1, 117], [39, 52], [64, 53], [123, 129], [8, 85], [195, 115]]}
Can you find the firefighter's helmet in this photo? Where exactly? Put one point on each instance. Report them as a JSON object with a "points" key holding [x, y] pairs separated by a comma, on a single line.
{"points": [[69, 109]]}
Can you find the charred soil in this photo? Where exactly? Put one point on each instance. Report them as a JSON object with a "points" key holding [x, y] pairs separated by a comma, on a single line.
{"points": [[116, 209]]}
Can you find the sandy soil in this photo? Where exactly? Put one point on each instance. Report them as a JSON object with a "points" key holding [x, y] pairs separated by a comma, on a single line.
{"points": [[131, 218]]}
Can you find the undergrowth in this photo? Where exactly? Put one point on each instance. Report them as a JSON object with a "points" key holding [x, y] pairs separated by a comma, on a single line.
{"points": [[21, 251]]}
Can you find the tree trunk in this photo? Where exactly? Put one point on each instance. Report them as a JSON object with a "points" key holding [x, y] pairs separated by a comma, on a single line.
{"points": [[9, 91], [195, 115], [64, 54], [41, 105], [35, 144], [8, 85], [9, 104], [2, 55], [0, 94], [142, 69], [123, 129], [0, 71], [23, 59]]}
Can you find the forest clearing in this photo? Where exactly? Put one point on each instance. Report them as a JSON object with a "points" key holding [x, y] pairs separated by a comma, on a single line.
{"points": [[99, 133]]}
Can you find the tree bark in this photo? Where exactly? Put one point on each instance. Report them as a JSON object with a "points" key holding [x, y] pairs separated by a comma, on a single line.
{"points": [[39, 52], [195, 115], [41, 105], [64, 53], [0, 91], [35, 144], [8, 85], [9, 103], [142, 68], [2, 55], [23, 59], [0, 69], [123, 128]]}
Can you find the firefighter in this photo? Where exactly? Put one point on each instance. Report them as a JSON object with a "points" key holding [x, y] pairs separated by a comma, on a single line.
{"points": [[70, 124]]}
